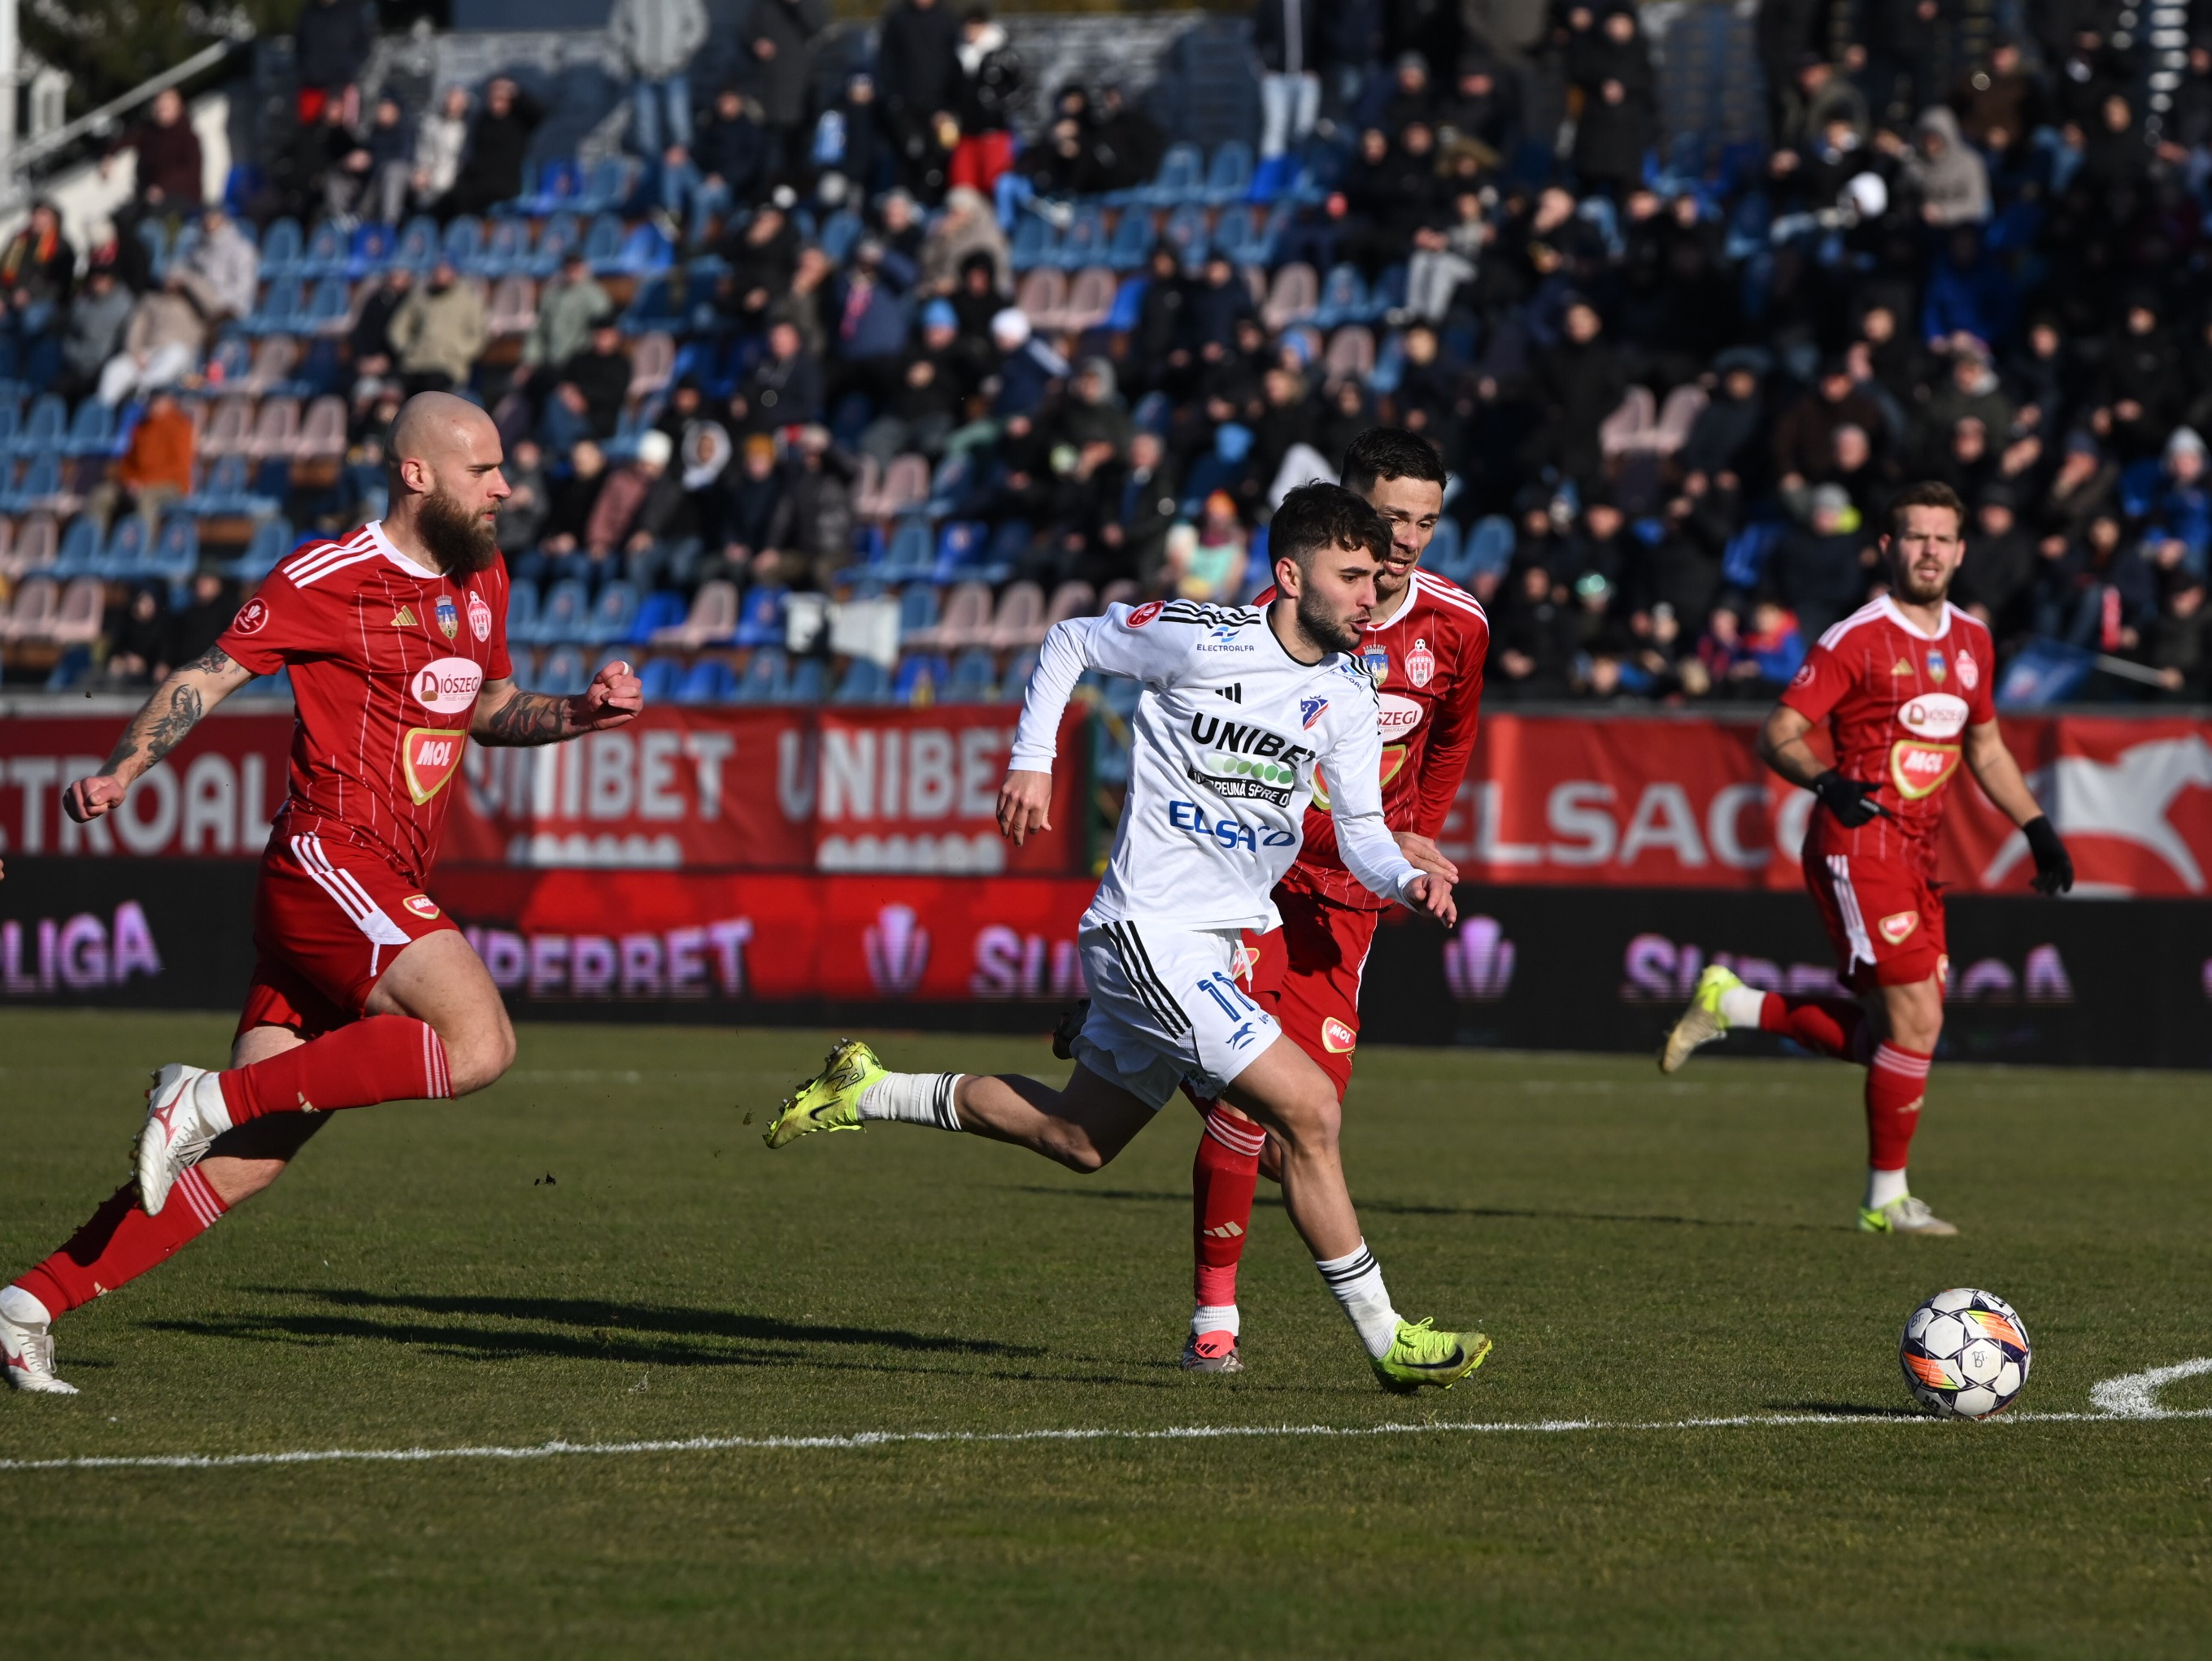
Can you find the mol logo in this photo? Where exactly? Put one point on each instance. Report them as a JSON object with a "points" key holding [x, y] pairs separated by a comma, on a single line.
{"points": [[1919, 769], [428, 757]]}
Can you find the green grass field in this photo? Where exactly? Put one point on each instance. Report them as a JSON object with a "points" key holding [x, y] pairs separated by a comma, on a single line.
{"points": [[1644, 1251]]}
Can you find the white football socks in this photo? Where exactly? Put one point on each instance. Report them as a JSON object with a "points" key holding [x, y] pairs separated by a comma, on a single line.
{"points": [[24, 1308], [913, 1098], [1215, 1317], [1741, 1006], [1884, 1188], [1357, 1280]]}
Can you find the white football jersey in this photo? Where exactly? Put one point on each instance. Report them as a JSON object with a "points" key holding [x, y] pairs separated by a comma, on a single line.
{"points": [[1229, 731]]}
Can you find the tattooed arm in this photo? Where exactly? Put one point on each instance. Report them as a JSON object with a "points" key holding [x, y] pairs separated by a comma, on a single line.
{"points": [[508, 715], [174, 710]]}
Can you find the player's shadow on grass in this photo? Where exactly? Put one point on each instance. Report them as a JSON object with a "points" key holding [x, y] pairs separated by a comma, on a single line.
{"points": [[659, 1334], [1419, 1209]]}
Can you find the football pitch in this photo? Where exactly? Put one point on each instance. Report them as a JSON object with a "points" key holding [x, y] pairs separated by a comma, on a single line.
{"points": [[609, 1377]]}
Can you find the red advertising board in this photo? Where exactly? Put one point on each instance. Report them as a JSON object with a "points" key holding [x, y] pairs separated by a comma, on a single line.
{"points": [[1608, 797], [657, 937], [875, 790]]}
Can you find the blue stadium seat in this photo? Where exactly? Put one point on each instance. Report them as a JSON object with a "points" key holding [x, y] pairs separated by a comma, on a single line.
{"points": [[1015, 684], [1085, 240], [41, 480], [565, 614], [281, 246], [45, 428], [559, 184], [767, 677], [272, 541], [865, 683], [463, 242], [760, 619], [840, 232], [1132, 245], [418, 244], [278, 313], [522, 610], [561, 672], [809, 687], [922, 680], [11, 427], [125, 556], [1186, 232], [911, 553], [92, 431], [708, 682], [372, 249], [329, 303], [664, 609], [1181, 178], [975, 679], [525, 660], [560, 233], [506, 249], [327, 254], [1343, 298], [1033, 243], [80, 554], [918, 609], [1230, 177], [1441, 555], [613, 615], [603, 245], [660, 678], [174, 553], [607, 186], [222, 488]]}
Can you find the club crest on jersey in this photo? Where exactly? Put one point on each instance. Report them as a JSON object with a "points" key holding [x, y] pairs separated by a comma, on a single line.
{"points": [[1970, 672], [1144, 613], [1938, 671], [1375, 661], [1896, 926], [1309, 710], [479, 616], [1420, 665], [1338, 1039], [1245, 964], [449, 616], [422, 906], [429, 757], [252, 616]]}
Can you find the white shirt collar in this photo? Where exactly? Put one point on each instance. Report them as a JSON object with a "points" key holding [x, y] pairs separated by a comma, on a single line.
{"points": [[1896, 614], [390, 550]]}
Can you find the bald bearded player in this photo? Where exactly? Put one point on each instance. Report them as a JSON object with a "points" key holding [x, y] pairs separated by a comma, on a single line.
{"points": [[364, 991]]}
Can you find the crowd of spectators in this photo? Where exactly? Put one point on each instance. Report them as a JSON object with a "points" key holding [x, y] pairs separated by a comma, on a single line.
{"points": [[1676, 381]]}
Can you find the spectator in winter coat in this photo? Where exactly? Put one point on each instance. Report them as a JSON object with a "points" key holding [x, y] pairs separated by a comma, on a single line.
{"points": [[1805, 437], [499, 143], [785, 388], [438, 332], [222, 275], [657, 40], [97, 319], [918, 73], [167, 153], [589, 390], [441, 140], [163, 340], [781, 39], [966, 228], [569, 311], [991, 82], [735, 153], [1948, 177], [1128, 143], [37, 270]]}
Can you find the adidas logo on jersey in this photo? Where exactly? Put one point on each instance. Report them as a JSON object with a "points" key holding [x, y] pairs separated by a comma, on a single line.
{"points": [[404, 618], [1234, 694]]}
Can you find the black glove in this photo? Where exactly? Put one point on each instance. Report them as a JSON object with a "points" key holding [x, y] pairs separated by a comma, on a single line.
{"points": [[2054, 866], [1851, 801]]}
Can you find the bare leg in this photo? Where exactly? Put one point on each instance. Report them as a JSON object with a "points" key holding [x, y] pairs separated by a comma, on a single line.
{"points": [[1083, 1126], [1294, 1099], [441, 980], [246, 1160]]}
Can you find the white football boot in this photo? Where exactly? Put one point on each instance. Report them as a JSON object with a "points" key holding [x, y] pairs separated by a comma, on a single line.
{"points": [[26, 1345], [185, 1113]]}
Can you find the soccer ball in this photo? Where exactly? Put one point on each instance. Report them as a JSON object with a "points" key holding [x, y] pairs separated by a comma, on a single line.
{"points": [[1965, 1353]]}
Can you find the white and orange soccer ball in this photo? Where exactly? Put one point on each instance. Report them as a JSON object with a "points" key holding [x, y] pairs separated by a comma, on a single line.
{"points": [[1966, 1354]]}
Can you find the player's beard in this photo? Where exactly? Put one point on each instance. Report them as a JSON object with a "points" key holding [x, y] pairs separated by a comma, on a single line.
{"points": [[1323, 626], [1913, 591], [462, 543]]}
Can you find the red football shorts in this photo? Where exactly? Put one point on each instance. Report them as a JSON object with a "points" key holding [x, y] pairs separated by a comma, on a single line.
{"points": [[1884, 921], [329, 918], [1307, 973]]}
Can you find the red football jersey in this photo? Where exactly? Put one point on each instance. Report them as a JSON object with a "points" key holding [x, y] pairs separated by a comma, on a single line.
{"points": [[1898, 703], [386, 658], [1426, 664]]}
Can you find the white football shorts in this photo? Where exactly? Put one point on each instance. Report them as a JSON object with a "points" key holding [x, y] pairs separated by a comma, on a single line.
{"points": [[1165, 1007]]}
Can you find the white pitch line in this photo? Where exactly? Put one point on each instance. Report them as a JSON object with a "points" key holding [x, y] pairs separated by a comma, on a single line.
{"points": [[874, 1439]]}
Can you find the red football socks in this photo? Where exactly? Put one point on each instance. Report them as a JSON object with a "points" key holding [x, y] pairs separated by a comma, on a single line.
{"points": [[379, 1058], [121, 1243], [1896, 1082], [1222, 1179], [1832, 1025]]}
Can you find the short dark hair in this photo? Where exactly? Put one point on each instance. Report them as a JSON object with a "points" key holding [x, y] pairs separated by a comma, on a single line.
{"points": [[1929, 492], [1390, 453], [1316, 518]]}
